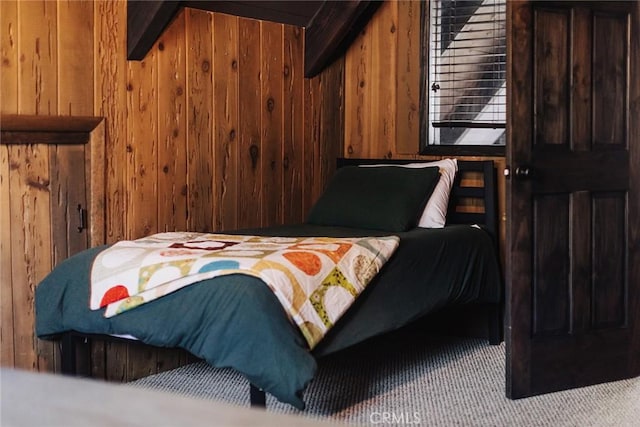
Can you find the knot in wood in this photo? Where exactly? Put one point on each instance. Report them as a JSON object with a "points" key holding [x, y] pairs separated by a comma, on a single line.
{"points": [[271, 103]]}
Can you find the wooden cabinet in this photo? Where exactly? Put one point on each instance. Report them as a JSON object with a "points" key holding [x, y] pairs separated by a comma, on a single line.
{"points": [[51, 207]]}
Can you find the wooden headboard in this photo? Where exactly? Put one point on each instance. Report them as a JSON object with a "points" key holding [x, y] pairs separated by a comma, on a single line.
{"points": [[473, 198]]}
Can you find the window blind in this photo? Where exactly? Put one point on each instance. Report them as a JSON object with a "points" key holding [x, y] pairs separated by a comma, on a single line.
{"points": [[468, 64]]}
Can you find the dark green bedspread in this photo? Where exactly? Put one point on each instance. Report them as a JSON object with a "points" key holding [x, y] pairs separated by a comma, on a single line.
{"points": [[236, 321]]}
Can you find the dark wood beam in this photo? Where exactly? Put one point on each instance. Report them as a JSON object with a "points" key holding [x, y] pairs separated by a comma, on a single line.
{"points": [[332, 29], [145, 22]]}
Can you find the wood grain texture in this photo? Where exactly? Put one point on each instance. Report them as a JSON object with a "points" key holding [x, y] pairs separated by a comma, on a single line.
{"points": [[249, 129], [519, 94], [29, 181], [7, 356], [358, 103], [552, 77], [383, 81], [95, 185], [581, 132], [408, 78], [634, 179], [609, 284], [75, 58], [610, 69], [110, 87], [67, 196], [294, 136], [272, 121], [312, 141], [9, 56], [199, 121], [570, 226], [172, 128], [226, 105], [142, 147], [38, 72]]}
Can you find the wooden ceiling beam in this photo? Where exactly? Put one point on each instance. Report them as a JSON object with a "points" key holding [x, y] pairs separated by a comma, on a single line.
{"points": [[332, 29], [145, 22]]}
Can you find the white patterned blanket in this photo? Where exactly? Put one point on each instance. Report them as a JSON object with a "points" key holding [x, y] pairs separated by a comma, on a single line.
{"points": [[315, 278]]}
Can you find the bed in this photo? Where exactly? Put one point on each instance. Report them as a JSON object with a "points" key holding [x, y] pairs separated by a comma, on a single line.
{"points": [[235, 321]]}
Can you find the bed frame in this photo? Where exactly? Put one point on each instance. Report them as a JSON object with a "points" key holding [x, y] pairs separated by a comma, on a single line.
{"points": [[472, 201]]}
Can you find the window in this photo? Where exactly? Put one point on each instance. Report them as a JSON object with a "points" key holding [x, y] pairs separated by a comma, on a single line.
{"points": [[464, 74]]}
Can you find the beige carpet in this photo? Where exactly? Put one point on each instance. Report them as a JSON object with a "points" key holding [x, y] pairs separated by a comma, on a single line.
{"points": [[437, 381]]}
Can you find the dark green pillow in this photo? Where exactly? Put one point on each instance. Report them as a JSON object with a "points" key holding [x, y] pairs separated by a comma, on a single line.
{"points": [[389, 198]]}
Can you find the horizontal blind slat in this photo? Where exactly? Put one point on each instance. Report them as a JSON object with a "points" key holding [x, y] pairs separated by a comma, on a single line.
{"points": [[468, 64]]}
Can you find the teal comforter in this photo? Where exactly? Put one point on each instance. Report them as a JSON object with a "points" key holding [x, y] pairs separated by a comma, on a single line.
{"points": [[236, 321]]}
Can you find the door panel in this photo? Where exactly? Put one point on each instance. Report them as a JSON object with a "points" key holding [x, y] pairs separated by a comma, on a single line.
{"points": [[573, 284]]}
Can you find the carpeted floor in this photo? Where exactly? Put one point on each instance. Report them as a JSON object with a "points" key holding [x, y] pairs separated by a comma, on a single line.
{"points": [[439, 381]]}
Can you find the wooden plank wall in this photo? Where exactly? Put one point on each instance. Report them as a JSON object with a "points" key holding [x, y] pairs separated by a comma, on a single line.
{"points": [[215, 129], [382, 92]]}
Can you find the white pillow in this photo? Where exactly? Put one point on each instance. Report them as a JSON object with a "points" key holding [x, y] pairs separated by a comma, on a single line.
{"points": [[435, 211]]}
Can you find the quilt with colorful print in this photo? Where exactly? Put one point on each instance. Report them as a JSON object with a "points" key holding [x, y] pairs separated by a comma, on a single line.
{"points": [[315, 278]]}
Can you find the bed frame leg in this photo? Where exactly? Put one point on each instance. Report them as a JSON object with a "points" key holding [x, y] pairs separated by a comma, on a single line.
{"points": [[496, 324], [68, 354], [257, 397]]}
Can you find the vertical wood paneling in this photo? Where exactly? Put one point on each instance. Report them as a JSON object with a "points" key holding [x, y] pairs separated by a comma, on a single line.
{"points": [[37, 84], [312, 116], [324, 124], [75, 58], [357, 86], [110, 89], [6, 283], [225, 95], [331, 105], [384, 70], [8, 104], [199, 121], [271, 77], [142, 148], [142, 173], [29, 179], [9, 56], [172, 128], [408, 80], [293, 138], [249, 161]]}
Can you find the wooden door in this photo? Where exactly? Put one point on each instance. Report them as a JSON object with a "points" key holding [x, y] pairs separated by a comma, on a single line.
{"points": [[573, 238]]}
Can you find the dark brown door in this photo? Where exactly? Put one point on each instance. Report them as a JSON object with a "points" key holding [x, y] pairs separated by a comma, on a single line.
{"points": [[573, 239]]}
